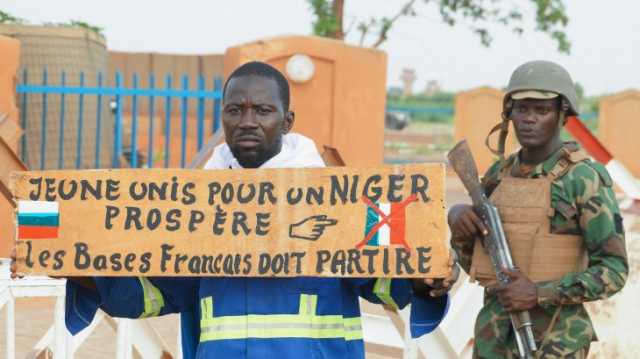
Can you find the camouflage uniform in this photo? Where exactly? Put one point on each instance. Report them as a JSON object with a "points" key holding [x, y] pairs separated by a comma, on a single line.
{"points": [[585, 205]]}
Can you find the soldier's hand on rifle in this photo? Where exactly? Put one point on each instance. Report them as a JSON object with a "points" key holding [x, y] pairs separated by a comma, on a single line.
{"points": [[520, 294], [465, 224]]}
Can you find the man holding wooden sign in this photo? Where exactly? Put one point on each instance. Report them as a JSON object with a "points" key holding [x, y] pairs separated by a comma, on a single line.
{"points": [[317, 227]]}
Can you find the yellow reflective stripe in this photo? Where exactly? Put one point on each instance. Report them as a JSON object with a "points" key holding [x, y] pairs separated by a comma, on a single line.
{"points": [[308, 328], [382, 289], [353, 328], [206, 307], [308, 304], [305, 324], [153, 300], [259, 319], [270, 333]]}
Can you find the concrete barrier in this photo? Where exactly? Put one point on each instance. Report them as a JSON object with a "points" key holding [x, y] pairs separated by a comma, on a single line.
{"points": [[476, 111], [619, 126]]}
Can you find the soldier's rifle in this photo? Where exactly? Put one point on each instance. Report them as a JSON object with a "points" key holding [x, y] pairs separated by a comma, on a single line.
{"points": [[495, 242]]}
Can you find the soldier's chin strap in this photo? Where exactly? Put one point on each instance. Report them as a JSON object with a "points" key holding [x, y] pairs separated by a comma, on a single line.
{"points": [[503, 127], [562, 114]]}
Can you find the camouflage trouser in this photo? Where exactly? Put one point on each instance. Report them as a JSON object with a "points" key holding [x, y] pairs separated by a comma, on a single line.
{"points": [[580, 354]]}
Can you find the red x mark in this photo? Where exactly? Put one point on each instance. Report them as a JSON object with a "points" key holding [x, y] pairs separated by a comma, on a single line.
{"points": [[384, 219]]}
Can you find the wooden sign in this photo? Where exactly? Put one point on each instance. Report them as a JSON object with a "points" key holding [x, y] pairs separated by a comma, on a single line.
{"points": [[335, 222]]}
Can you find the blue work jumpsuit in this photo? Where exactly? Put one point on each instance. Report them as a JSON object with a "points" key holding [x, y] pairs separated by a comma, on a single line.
{"points": [[240, 317]]}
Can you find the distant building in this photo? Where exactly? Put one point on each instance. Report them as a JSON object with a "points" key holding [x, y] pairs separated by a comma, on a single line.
{"points": [[408, 77], [433, 87]]}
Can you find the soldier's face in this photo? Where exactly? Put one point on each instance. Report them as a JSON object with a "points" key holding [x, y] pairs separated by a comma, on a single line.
{"points": [[254, 119], [535, 121]]}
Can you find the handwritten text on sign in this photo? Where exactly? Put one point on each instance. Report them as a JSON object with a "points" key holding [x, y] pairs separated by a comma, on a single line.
{"points": [[375, 222]]}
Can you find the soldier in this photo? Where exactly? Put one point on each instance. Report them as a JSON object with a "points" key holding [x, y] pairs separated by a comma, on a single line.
{"points": [[560, 217]]}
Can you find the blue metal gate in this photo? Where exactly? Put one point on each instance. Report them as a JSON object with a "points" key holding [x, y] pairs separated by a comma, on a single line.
{"points": [[116, 97]]}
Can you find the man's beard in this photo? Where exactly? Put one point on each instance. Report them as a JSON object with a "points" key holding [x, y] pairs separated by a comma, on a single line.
{"points": [[255, 160]]}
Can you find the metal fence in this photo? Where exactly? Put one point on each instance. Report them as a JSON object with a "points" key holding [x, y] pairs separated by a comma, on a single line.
{"points": [[75, 121], [47, 130]]}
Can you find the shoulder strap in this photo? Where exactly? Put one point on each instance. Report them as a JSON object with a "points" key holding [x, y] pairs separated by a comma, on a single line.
{"points": [[578, 156], [569, 157], [491, 182]]}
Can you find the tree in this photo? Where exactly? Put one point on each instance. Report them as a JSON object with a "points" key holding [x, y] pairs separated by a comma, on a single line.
{"points": [[6, 18], [550, 18]]}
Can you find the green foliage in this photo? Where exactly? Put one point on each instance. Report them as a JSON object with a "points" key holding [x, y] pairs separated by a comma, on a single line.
{"points": [[77, 24], [550, 18], [87, 26], [326, 22], [440, 98], [6, 18], [590, 104], [427, 109]]}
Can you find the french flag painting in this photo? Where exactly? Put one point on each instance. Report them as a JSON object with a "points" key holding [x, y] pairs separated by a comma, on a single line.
{"points": [[38, 220], [385, 223]]}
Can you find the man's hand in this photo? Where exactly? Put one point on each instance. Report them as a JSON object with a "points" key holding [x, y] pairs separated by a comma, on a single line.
{"points": [[521, 294], [86, 282], [439, 287], [465, 224], [14, 266]]}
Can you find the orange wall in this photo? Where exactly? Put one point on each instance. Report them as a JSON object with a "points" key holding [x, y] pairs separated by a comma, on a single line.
{"points": [[619, 126], [9, 63], [476, 112], [343, 104]]}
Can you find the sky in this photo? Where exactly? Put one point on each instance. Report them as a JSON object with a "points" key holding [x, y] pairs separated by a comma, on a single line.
{"points": [[605, 36]]}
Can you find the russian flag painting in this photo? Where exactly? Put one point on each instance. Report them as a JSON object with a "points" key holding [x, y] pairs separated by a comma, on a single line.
{"points": [[38, 220], [385, 223]]}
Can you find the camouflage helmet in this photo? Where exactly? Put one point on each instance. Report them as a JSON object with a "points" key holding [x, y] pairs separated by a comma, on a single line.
{"points": [[545, 76]]}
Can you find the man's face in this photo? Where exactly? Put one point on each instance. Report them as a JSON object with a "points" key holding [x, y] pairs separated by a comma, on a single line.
{"points": [[535, 121], [254, 120]]}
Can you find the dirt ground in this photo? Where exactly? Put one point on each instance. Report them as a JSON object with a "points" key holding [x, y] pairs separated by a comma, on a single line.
{"points": [[34, 316]]}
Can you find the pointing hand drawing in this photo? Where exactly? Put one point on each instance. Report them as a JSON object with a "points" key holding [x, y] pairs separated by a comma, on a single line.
{"points": [[311, 228]]}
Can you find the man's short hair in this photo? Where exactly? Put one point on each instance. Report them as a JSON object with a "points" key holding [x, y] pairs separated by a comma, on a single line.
{"points": [[262, 69]]}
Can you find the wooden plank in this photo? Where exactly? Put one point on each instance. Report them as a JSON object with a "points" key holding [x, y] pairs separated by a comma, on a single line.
{"points": [[10, 131], [331, 157], [382, 351], [9, 162], [264, 222], [207, 150]]}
